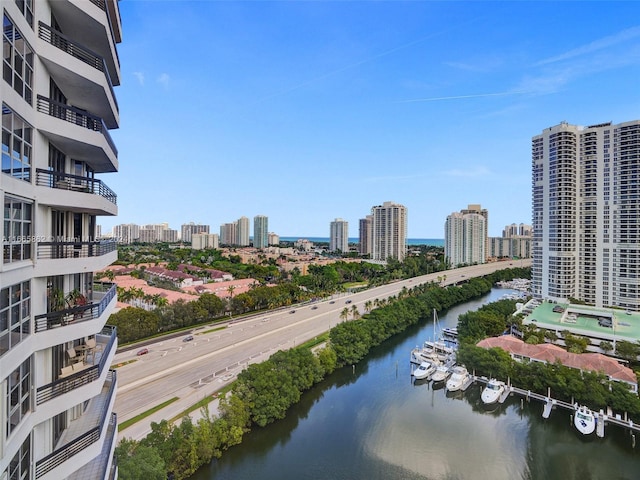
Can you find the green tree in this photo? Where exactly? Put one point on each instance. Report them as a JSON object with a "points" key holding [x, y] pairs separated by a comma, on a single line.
{"points": [[139, 462]]}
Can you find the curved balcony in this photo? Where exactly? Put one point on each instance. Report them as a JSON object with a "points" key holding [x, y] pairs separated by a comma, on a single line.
{"points": [[82, 71], [92, 22], [63, 189], [64, 257], [89, 140], [103, 294], [106, 342], [82, 434]]}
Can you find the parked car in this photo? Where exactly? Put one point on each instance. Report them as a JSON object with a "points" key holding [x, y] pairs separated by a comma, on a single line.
{"points": [[143, 351], [188, 338]]}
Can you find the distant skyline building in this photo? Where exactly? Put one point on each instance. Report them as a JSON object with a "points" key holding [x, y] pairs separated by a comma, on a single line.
{"points": [[586, 220], [464, 238], [260, 231], [339, 236], [243, 235], [274, 238], [126, 233], [477, 208], [228, 234], [389, 227], [204, 241], [365, 245], [514, 230], [188, 229]]}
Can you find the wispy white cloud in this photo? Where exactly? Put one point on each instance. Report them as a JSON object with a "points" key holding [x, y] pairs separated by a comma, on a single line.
{"points": [[480, 65], [596, 45], [140, 77], [479, 171], [164, 79]]}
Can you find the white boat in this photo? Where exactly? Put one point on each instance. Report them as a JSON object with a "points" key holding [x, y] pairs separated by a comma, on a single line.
{"points": [[424, 371], [439, 349], [584, 420], [458, 378], [492, 391], [441, 374]]}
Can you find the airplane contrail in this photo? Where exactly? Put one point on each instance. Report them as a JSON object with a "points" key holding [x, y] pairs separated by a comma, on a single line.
{"points": [[460, 97]]}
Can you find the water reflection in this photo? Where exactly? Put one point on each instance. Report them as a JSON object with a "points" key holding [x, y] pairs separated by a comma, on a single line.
{"points": [[376, 423]]}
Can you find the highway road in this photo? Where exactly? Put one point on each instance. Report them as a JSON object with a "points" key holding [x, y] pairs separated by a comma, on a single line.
{"points": [[191, 369]]}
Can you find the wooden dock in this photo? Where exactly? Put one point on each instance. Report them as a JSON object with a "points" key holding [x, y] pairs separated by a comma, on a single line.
{"points": [[551, 403]]}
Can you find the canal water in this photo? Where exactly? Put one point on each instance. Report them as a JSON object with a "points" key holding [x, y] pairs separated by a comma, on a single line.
{"points": [[374, 422]]}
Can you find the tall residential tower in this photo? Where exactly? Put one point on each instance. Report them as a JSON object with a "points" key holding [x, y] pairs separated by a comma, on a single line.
{"points": [[389, 228], [260, 231], [58, 105], [339, 236], [586, 214]]}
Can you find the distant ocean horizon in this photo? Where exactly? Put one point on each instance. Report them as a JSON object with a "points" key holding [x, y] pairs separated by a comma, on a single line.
{"points": [[435, 242]]}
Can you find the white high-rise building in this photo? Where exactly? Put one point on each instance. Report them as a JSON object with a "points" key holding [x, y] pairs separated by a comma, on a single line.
{"points": [[389, 227], [58, 105], [202, 241], [260, 231], [243, 234], [126, 233], [586, 214], [189, 229], [339, 236], [464, 238]]}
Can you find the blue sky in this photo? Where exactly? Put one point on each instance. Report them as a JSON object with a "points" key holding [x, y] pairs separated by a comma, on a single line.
{"points": [[308, 111]]}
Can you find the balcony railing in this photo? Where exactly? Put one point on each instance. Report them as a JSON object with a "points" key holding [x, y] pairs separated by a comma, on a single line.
{"points": [[82, 53], [75, 183], [76, 116], [79, 379], [55, 250], [104, 291], [88, 438]]}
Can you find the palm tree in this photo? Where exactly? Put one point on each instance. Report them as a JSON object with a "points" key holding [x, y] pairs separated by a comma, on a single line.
{"points": [[230, 290], [344, 314], [354, 312], [368, 306]]}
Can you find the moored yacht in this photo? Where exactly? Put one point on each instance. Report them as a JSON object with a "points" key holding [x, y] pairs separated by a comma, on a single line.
{"points": [[584, 420], [424, 370], [493, 390], [458, 378]]}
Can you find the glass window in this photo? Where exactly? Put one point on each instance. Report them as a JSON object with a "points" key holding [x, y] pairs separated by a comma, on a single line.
{"points": [[26, 7], [18, 395], [16, 145], [16, 239], [17, 68], [19, 466], [15, 313]]}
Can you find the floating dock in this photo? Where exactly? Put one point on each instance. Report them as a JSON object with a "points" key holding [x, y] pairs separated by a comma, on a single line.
{"points": [[551, 403]]}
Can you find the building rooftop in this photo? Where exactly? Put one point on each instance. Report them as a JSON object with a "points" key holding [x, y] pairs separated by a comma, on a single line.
{"points": [[585, 320]]}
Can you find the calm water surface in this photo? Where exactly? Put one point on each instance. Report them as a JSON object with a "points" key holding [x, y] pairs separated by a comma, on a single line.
{"points": [[375, 423]]}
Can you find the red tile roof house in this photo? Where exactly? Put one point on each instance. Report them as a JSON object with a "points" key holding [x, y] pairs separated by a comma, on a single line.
{"points": [[549, 353], [179, 279], [127, 282]]}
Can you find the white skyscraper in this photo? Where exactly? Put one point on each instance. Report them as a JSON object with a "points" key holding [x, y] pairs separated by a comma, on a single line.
{"points": [[464, 239], [339, 236], [389, 231], [56, 388], [586, 211], [243, 234]]}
